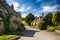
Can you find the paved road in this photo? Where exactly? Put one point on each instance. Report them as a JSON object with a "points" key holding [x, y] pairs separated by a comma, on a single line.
{"points": [[35, 34]]}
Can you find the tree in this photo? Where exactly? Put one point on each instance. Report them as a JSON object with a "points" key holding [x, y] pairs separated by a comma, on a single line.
{"points": [[48, 18], [29, 18], [56, 18]]}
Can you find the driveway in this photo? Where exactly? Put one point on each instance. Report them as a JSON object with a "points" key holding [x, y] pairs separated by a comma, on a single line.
{"points": [[36, 34]]}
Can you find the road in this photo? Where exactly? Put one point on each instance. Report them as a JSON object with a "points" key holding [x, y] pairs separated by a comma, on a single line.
{"points": [[35, 34]]}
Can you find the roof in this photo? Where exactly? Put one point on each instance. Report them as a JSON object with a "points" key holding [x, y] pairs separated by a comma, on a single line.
{"points": [[8, 8]]}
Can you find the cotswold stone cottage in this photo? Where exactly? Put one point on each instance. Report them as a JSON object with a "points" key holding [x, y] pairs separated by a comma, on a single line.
{"points": [[15, 17], [36, 20]]}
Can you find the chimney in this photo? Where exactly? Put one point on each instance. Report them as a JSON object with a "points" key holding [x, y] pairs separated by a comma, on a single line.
{"points": [[42, 14], [12, 6]]}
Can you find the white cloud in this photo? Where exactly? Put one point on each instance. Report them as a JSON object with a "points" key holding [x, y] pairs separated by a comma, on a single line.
{"points": [[17, 6], [28, 8], [24, 15], [48, 9], [23, 8], [34, 9]]}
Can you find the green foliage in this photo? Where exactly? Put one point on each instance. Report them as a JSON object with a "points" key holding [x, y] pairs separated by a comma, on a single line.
{"points": [[6, 37], [42, 25], [58, 28], [56, 18], [29, 18], [18, 30], [48, 18], [22, 28], [50, 28], [25, 24], [7, 23]]}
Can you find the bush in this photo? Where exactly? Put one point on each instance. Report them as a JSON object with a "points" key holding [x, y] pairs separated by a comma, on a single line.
{"points": [[56, 18], [21, 29], [18, 30], [58, 28], [50, 28], [42, 25]]}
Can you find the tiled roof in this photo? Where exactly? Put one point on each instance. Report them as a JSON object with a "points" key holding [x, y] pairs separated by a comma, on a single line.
{"points": [[8, 8]]}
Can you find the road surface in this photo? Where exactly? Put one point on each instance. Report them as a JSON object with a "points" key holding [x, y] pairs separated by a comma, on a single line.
{"points": [[35, 34]]}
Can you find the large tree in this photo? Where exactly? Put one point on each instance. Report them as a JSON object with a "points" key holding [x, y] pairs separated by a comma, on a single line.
{"points": [[29, 18], [56, 18], [48, 18]]}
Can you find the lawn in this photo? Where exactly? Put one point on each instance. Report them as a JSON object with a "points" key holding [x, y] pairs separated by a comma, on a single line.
{"points": [[5, 37], [25, 24]]}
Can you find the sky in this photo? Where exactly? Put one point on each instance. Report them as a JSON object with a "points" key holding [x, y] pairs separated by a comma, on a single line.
{"points": [[36, 7]]}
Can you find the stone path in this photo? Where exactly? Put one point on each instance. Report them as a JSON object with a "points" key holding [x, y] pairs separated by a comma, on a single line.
{"points": [[34, 34]]}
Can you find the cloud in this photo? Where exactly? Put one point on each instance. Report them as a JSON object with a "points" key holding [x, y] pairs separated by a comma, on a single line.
{"points": [[23, 8], [34, 9], [24, 15], [17, 6], [28, 8], [38, 0], [48, 8]]}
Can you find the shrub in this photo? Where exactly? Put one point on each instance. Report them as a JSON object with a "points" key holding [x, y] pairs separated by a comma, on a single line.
{"points": [[42, 25], [56, 18], [50, 28], [21, 28], [58, 28], [18, 30]]}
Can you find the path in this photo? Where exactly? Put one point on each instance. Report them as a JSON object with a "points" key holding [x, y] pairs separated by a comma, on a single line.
{"points": [[34, 34]]}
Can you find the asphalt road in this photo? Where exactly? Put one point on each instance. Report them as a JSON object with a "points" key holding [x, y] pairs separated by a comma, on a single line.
{"points": [[35, 34]]}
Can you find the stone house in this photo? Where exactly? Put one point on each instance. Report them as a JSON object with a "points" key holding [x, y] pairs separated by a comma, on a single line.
{"points": [[37, 20], [5, 9]]}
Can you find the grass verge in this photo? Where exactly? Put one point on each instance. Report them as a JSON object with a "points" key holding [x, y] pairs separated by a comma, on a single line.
{"points": [[5, 37]]}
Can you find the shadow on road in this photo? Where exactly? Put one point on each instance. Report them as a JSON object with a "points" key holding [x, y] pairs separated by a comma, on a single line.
{"points": [[29, 33]]}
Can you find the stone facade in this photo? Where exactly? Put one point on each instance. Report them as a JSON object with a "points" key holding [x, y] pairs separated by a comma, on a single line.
{"points": [[6, 9], [37, 20]]}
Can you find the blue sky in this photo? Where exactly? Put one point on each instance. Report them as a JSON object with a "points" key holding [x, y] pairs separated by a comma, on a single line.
{"points": [[36, 7]]}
